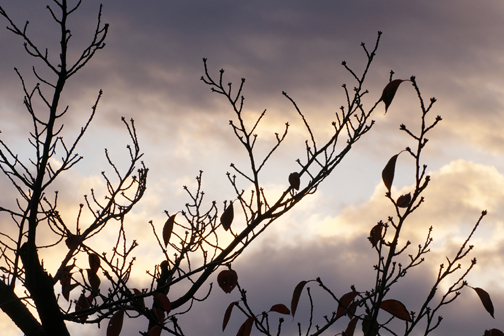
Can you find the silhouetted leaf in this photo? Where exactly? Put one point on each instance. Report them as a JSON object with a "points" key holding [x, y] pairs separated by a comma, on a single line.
{"points": [[376, 234], [115, 323], [159, 313], [83, 303], [294, 180], [389, 92], [93, 279], [167, 229], [493, 332], [227, 280], [280, 308], [351, 326], [388, 172], [396, 308], [139, 301], [351, 310], [246, 327], [227, 217], [296, 295], [344, 303], [66, 288], [227, 314], [72, 242], [161, 301], [94, 262], [485, 299], [65, 275], [404, 200], [155, 330]]}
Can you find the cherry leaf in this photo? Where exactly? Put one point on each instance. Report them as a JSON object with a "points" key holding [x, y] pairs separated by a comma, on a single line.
{"points": [[168, 228], [94, 262], [115, 323], [159, 313], [396, 308], [139, 301], [66, 289], [351, 310], [485, 299], [389, 92], [227, 280], [83, 303], [280, 308], [404, 200], [93, 279], [388, 172], [376, 234], [227, 217], [493, 332], [294, 180], [296, 295], [155, 330], [65, 275], [246, 327], [227, 314], [161, 301], [344, 303], [351, 326], [73, 241]]}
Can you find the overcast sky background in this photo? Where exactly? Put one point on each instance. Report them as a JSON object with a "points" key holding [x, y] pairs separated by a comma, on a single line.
{"points": [[150, 71]]}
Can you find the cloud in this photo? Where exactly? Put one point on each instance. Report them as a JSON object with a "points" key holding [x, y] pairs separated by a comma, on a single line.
{"points": [[150, 71]]}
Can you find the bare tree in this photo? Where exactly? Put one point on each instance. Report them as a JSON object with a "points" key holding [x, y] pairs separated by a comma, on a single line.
{"points": [[191, 240]]}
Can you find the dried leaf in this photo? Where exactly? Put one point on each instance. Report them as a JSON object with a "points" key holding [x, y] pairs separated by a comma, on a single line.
{"points": [[344, 303], [72, 242], [159, 313], [351, 310], [296, 295], [115, 323], [227, 314], [404, 200], [294, 180], [351, 326], [376, 234], [246, 327], [66, 289], [161, 301], [155, 330], [485, 299], [396, 308], [227, 280], [389, 92], [388, 172], [94, 280], [168, 228], [83, 303], [139, 301], [94, 262], [227, 217], [65, 275], [280, 308]]}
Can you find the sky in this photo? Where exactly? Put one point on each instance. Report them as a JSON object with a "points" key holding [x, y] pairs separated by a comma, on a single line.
{"points": [[150, 71]]}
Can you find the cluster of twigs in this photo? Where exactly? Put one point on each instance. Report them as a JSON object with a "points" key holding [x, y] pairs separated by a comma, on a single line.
{"points": [[191, 240], [369, 306]]}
